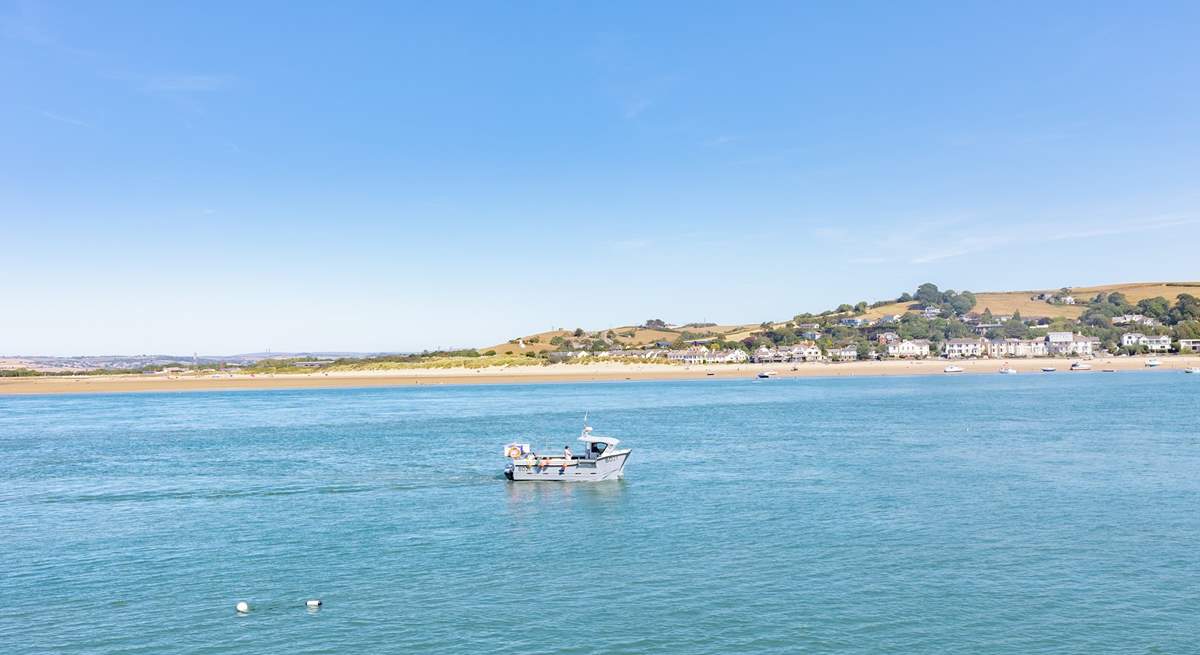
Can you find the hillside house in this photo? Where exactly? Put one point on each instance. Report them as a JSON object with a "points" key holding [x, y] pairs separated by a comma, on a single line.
{"points": [[1134, 319], [886, 338], [1189, 344]]}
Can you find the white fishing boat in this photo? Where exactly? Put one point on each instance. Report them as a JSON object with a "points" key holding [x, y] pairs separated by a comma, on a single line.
{"points": [[1081, 366], [1192, 369], [601, 460], [1152, 362], [953, 369], [1007, 370]]}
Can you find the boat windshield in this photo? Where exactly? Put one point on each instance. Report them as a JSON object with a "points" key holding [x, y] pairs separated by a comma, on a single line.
{"points": [[598, 447]]}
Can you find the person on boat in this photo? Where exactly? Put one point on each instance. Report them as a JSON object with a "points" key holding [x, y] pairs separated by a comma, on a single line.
{"points": [[567, 453]]}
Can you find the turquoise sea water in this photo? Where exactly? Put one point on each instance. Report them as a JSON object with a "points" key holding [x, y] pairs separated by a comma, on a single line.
{"points": [[982, 514]]}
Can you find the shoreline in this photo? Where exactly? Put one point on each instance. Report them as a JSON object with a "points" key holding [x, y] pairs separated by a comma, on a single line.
{"points": [[557, 373]]}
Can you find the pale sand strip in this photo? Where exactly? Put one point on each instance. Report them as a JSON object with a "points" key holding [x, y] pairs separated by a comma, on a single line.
{"points": [[559, 373]]}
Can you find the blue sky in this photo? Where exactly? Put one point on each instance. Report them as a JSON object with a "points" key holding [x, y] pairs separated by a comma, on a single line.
{"points": [[226, 177]]}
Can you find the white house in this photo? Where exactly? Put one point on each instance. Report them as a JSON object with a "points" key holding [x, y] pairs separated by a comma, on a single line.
{"points": [[1001, 348], [727, 357], [855, 322], [844, 354], [930, 311], [955, 348], [1190, 344], [1151, 342], [801, 352], [1133, 319], [1069, 343], [914, 348], [887, 337], [692, 355]]}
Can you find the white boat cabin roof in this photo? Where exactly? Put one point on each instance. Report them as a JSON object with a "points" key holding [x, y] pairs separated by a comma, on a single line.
{"points": [[595, 438]]}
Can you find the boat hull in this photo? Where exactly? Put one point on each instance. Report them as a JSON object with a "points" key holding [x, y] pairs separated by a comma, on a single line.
{"points": [[609, 467]]}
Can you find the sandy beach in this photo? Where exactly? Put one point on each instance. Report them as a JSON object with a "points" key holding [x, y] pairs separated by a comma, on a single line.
{"points": [[596, 372]]}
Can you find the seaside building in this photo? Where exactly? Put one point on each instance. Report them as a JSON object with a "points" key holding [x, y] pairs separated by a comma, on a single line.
{"points": [[692, 355], [1069, 343], [1153, 343], [844, 354], [727, 357], [801, 352], [886, 338], [955, 348], [909, 349], [1189, 344], [1003, 348]]}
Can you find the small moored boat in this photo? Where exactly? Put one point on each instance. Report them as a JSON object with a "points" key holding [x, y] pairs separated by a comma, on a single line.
{"points": [[601, 460], [953, 369], [1048, 369], [1192, 369], [1152, 362], [1007, 370], [1081, 366], [766, 375]]}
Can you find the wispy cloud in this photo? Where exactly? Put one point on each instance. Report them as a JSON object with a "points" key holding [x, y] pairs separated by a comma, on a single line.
{"points": [[721, 140], [976, 243], [635, 107], [633, 244], [28, 26], [171, 83], [63, 119], [187, 83]]}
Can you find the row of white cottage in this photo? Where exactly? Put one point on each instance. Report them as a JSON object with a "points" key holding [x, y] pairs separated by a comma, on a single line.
{"points": [[1054, 343]]}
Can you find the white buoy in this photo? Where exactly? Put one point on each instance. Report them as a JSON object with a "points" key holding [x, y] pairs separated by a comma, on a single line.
{"points": [[313, 604], [242, 607]]}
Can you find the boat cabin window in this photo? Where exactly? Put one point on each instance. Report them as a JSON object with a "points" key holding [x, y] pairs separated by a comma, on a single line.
{"points": [[598, 448]]}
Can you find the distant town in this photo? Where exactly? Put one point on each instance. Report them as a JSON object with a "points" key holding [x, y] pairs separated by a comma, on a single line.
{"points": [[928, 322], [934, 323]]}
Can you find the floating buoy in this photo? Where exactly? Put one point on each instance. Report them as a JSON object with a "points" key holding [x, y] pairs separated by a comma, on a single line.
{"points": [[242, 607], [313, 604]]}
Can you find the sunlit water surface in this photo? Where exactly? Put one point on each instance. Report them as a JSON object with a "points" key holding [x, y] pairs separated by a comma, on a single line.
{"points": [[982, 514]]}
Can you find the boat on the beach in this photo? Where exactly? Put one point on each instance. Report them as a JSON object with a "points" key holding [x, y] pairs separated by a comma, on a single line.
{"points": [[1108, 370], [953, 369], [1007, 370], [600, 460], [1192, 369], [1048, 369], [1152, 362], [766, 375], [1081, 366]]}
